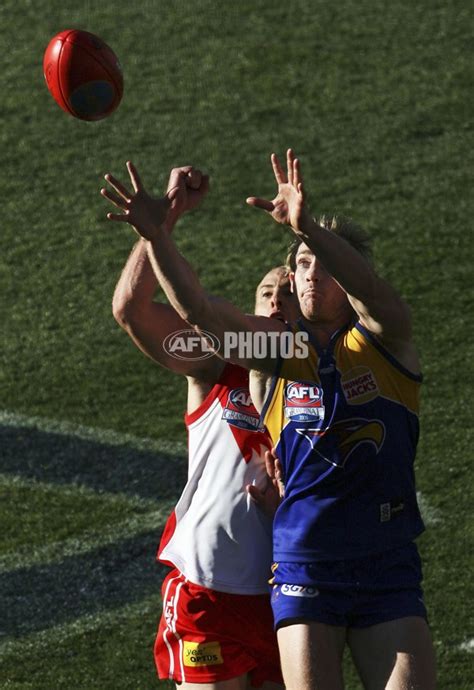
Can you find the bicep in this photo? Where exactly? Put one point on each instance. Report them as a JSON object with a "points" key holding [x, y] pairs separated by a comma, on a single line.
{"points": [[388, 319], [384, 313]]}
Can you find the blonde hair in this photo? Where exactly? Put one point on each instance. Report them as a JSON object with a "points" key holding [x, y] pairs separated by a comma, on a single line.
{"points": [[343, 226]]}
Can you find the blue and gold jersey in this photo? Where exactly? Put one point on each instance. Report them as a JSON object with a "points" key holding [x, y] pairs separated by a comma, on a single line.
{"points": [[344, 422]]}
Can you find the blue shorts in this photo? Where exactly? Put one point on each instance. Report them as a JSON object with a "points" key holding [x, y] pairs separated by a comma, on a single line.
{"points": [[353, 593]]}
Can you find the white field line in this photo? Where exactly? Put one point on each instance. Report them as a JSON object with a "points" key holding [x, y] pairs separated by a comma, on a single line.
{"points": [[149, 608], [153, 518], [115, 499], [28, 557], [105, 436], [130, 526]]}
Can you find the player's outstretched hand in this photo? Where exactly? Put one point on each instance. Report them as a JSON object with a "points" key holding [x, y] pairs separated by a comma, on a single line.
{"points": [[288, 207], [269, 499], [147, 215], [186, 188]]}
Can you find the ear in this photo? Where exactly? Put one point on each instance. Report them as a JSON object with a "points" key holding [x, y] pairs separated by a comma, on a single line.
{"points": [[291, 276]]}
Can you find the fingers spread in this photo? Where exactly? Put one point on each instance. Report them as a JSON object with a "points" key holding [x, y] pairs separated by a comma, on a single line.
{"points": [[121, 217], [118, 186], [289, 165], [134, 176], [261, 203], [118, 201], [297, 179], [278, 170]]}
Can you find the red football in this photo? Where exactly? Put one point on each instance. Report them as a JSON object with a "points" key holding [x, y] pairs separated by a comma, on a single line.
{"points": [[83, 74]]}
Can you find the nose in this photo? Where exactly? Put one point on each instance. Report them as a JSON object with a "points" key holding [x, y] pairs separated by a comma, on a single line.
{"points": [[275, 299], [313, 274]]}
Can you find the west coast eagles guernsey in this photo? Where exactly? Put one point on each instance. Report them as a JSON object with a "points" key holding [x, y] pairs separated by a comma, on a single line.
{"points": [[344, 422], [216, 536]]}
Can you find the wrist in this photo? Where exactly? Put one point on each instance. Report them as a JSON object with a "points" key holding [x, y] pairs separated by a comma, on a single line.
{"points": [[154, 233], [306, 226], [168, 225]]}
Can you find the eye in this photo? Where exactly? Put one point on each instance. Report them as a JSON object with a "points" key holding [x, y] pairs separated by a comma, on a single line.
{"points": [[266, 294]]}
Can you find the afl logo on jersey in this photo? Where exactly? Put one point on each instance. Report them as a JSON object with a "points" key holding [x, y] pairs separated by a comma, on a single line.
{"points": [[240, 411], [303, 401]]}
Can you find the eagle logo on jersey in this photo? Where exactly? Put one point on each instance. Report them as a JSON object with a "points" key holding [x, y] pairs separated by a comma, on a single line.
{"points": [[303, 401], [336, 443]]}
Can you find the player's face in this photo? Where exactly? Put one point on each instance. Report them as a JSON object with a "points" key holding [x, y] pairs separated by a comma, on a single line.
{"points": [[274, 297], [320, 297]]}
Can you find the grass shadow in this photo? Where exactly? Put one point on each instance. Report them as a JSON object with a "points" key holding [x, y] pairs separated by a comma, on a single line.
{"points": [[40, 597], [60, 459]]}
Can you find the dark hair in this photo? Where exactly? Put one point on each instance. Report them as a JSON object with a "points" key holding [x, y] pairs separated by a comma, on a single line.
{"points": [[344, 227]]}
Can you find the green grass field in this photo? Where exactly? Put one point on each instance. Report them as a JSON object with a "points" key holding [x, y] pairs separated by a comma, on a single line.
{"points": [[375, 100]]}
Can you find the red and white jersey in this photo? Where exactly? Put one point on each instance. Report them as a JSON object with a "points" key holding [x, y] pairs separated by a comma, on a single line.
{"points": [[216, 536]]}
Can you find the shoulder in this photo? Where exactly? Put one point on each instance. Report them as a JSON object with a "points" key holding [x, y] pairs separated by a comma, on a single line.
{"points": [[396, 351]]}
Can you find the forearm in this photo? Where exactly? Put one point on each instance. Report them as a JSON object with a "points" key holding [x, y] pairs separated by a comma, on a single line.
{"points": [[179, 281], [345, 264], [147, 322], [136, 286]]}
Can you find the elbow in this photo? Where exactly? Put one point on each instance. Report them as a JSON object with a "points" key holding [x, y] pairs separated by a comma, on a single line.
{"points": [[127, 306], [131, 315], [123, 311], [119, 312]]}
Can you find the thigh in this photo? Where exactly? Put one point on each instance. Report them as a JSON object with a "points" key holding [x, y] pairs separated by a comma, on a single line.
{"points": [[214, 639], [311, 655], [394, 655], [193, 644]]}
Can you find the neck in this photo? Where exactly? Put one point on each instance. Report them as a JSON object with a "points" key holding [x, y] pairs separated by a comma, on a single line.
{"points": [[323, 332]]}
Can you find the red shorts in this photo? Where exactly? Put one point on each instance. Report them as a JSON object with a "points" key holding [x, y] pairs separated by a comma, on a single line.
{"points": [[206, 636]]}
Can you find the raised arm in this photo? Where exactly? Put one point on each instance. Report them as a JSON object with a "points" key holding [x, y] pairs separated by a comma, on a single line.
{"points": [[217, 316], [379, 307], [176, 276], [147, 322]]}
